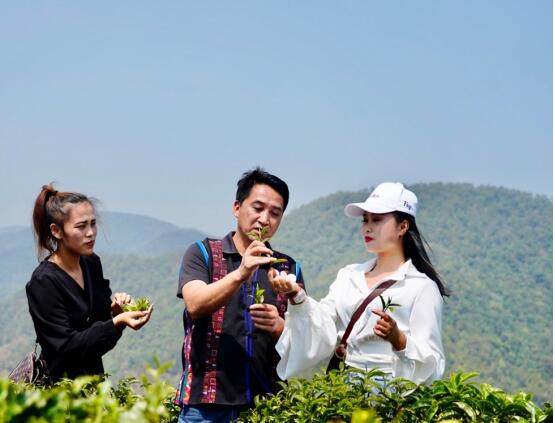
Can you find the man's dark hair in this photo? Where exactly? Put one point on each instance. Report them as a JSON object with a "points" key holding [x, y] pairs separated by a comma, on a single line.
{"points": [[260, 176]]}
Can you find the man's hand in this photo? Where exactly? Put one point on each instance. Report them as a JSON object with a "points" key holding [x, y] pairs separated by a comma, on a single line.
{"points": [[267, 318], [256, 254]]}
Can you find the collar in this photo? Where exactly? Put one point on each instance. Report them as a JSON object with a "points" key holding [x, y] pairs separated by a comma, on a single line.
{"points": [[228, 246], [407, 269]]}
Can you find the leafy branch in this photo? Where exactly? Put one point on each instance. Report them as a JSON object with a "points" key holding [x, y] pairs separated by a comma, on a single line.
{"points": [[261, 234], [388, 305]]}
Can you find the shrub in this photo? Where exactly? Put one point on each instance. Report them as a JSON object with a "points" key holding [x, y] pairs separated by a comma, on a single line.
{"points": [[344, 395], [91, 399]]}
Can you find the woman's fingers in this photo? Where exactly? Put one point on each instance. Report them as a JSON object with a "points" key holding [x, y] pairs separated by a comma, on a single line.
{"points": [[137, 319], [121, 298], [385, 326], [382, 314], [282, 282]]}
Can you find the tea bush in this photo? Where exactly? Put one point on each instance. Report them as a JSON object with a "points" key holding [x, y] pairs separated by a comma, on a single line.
{"points": [[365, 398], [341, 396], [91, 399]]}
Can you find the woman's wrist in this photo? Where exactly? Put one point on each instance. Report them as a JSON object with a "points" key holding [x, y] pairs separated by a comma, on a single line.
{"points": [[118, 322], [399, 342], [298, 297], [294, 292]]}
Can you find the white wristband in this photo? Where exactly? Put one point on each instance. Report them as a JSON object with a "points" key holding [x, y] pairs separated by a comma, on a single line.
{"points": [[299, 298]]}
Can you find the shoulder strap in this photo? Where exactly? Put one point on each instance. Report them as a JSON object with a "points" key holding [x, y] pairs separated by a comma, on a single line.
{"points": [[297, 269], [341, 348], [203, 250]]}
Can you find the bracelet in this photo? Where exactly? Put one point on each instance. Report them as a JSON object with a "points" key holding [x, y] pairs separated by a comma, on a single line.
{"points": [[299, 298]]}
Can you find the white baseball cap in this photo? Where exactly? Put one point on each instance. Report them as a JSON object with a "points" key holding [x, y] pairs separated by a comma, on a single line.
{"points": [[386, 197]]}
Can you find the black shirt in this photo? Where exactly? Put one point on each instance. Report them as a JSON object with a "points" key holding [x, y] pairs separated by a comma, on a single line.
{"points": [[74, 326], [240, 375]]}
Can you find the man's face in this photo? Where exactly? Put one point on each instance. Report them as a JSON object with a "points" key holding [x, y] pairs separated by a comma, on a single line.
{"points": [[263, 207]]}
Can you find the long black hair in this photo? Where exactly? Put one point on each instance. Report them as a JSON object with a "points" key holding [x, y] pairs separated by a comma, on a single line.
{"points": [[414, 248]]}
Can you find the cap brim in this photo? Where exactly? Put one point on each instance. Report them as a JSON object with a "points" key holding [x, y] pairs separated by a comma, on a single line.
{"points": [[358, 209]]}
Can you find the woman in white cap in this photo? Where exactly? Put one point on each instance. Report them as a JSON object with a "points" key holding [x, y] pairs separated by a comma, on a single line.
{"points": [[403, 339]]}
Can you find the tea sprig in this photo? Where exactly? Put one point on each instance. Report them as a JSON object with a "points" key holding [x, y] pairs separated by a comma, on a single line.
{"points": [[259, 296], [388, 305], [261, 234], [140, 304]]}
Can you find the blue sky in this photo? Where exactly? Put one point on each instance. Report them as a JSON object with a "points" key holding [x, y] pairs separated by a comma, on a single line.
{"points": [[158, 107]]}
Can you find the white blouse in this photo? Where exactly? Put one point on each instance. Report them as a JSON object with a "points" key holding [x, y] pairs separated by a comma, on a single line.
{"points": [[313, 329]]}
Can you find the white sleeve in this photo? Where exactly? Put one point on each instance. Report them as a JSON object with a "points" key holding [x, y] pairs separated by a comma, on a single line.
{"points": [[423, 359], [309, 336]]}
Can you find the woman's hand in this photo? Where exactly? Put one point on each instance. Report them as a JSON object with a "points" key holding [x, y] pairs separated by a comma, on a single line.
{"points": [[134, 319], [266, 317], [283, 283], [386, 328], [119, 299]]}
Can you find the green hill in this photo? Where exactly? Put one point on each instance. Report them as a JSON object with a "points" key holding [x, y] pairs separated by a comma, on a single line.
{"points": [[119, 233], [492, 246]]}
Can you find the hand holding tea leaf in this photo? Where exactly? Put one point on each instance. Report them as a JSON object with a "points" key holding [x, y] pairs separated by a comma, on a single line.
{"points": [[118, 300], [135, 314], [386, 326], [266, 317], [256, 254], [261, 234]]}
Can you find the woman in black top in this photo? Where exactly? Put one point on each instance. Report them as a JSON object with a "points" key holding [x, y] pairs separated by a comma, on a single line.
{"points": [[75, 318]]}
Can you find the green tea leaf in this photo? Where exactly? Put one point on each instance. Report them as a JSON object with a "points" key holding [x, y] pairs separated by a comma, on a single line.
{"points": [[389, 305], [140, 304], [259, 234], [259, 296]]}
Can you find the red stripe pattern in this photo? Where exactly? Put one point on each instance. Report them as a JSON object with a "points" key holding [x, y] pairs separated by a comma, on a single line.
{"points": [[209, 384]]}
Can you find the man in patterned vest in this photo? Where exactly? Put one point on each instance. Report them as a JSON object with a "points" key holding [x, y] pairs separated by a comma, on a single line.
{"points": [[228, 351]]}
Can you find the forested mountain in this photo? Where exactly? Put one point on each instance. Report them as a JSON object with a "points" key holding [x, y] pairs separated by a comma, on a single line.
{"points": [[492, 246], [493, 249]]}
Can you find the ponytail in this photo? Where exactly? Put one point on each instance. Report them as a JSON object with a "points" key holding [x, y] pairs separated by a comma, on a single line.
{"points": [[50, 207], [414, 248]]}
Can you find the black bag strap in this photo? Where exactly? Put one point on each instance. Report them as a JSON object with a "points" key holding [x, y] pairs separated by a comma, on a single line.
{"points": [[341, 349]]}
